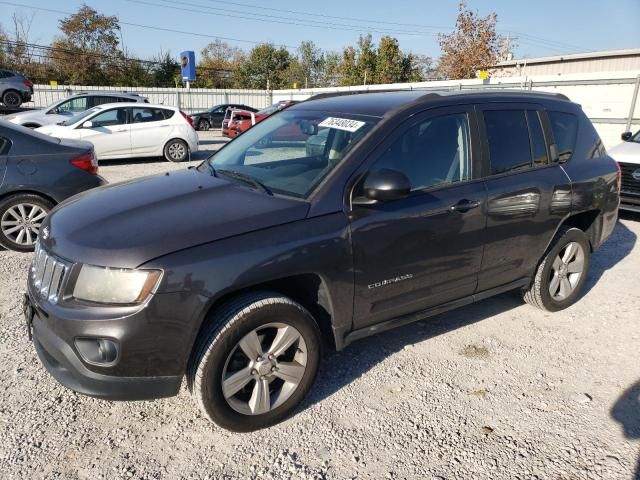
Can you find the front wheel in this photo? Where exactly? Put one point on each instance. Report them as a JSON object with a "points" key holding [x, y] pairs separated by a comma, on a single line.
{"points": [[257, 362], [21, 217], [204, 125], [562, 272], [176, 150], [12, 99]]}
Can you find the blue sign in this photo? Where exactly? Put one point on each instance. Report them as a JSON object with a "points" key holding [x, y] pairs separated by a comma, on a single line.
{"points": [[188, 66]]}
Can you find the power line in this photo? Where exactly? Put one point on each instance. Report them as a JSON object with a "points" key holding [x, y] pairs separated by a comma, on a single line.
{"points": [[149, 27]]}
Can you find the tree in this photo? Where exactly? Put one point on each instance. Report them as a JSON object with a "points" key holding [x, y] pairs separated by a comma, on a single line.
{"points": [[329, 73], [473, 46], [264, 67], [367, 60], [217, 63], [391, 66], [88, 52], [165, 70], [347, 69]]}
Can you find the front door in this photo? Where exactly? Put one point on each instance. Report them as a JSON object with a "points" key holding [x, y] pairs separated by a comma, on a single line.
{"points": [[426, 249], [109, 133]]}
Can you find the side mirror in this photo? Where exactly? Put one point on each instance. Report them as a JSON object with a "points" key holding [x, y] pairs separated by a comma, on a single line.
{"points": [[383, 186], [87, 124], [308, 128], [626, 136]]}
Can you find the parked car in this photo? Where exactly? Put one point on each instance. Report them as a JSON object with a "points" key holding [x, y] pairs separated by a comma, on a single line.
{"points": [[213, 117], [231, 273], [36, 173], [627, 154], [241, 120], [126, 130], [66, 108], [15, 88]]}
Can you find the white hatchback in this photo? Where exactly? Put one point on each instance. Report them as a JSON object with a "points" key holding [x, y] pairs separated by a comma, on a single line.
{"points": [[125, 130]]}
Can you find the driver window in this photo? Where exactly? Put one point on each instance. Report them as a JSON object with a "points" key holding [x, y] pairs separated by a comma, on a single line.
{"points": [[75, 105], [117, 116], [432, 153]]}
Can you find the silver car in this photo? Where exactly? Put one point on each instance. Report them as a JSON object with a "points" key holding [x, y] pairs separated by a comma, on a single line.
{"points": [[15, 88], [68, 107]]}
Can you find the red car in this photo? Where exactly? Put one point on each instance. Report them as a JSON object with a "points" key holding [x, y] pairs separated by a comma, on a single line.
{"points": [[241, 120]]}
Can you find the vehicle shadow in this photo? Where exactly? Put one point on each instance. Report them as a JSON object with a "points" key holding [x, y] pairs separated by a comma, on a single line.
{"points": [[341, 368], [615, 249], [214, 141], [626, 411]]}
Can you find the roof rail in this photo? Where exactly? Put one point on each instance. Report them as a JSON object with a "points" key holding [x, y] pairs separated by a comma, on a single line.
{"points": [[319, 96]]}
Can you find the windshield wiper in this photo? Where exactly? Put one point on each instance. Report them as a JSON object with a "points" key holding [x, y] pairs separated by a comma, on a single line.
{"points": [[243, 177]]}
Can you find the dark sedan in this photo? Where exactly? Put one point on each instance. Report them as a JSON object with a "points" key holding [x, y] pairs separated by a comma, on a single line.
{"points": [[213, 117], [36, 173]]}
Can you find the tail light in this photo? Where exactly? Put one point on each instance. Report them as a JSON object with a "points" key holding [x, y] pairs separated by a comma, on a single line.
{"points": [[187, 118], [28, 83], [87, 162]]}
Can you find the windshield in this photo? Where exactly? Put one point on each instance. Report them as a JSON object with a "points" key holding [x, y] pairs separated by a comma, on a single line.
{"points": [[79, 117], [290, 153], [270, 110]]}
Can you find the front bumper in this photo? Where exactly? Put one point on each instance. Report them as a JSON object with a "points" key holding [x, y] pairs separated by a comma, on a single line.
{"points": [[629, 202], [154, 345]]}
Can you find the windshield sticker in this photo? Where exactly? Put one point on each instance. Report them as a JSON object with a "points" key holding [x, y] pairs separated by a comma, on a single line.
{"points": [[342, 124]]}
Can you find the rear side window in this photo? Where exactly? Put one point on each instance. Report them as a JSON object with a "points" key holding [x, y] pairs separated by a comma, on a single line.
{"points": [[508, 138], [565, 129], [101, 100], [144, 115], [433, 153], [538, 145]]}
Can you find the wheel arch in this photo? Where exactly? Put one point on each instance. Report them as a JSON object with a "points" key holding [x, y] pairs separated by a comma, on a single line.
{"points": [[308, 289], [14, 193]]}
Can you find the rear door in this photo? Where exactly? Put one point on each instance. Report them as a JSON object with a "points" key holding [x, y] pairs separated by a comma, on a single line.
{"points": [[109, 133], [5, 145], [527, 194], [423, 250], [150, 129]]}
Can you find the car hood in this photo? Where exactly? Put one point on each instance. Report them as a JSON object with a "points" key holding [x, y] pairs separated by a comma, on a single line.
{"points": [[53, 130], [628, 152], [127, 224]]}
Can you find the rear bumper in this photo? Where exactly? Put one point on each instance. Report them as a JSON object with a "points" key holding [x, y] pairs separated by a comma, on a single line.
{"points": [[64, 365]]}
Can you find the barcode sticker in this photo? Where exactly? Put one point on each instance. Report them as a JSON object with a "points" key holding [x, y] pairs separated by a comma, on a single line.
{"points": [[342, 124]]}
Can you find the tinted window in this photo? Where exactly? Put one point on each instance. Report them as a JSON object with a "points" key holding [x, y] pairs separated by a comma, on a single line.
{"points": [[432, 153], [75, 105], [144, 115], [508, 138], [4, 74], [538, 145], [102, 100], [117, 116], [565, 129]]}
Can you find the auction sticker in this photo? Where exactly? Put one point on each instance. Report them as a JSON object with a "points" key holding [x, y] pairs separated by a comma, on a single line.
{"points": [[342, 124]]}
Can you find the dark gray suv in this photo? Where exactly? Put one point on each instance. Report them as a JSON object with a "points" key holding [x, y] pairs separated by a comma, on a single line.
{"points": [[231, 274], [15, 89]]}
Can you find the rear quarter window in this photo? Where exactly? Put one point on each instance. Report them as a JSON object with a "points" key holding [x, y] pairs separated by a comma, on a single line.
{"points": [[565, 131]]}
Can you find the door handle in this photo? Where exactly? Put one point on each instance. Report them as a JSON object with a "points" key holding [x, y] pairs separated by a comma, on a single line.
{"points": [[464, 206]]}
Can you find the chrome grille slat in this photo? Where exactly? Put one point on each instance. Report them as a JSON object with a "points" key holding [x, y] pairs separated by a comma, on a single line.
{"points": [[48, 274]]}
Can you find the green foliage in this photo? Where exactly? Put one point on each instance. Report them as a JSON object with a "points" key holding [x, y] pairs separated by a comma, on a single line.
{"points": [[265, 67]]}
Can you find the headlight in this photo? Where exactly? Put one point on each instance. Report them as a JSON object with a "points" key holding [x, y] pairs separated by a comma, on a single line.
{"points": [[115, 285]]}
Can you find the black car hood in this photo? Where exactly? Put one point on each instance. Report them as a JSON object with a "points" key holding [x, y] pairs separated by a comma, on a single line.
{"points": [[127, 224]]}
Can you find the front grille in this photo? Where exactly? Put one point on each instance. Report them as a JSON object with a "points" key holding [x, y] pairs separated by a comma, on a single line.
{"points": [[48, 274], [630, 184]]}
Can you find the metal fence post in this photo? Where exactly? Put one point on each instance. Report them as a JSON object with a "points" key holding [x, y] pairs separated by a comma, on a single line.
{"points": [[178, 102], [632, 108]]}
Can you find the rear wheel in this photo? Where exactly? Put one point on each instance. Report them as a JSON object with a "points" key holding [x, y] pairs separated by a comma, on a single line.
{"points": [[12, 99], [21, 217], [204, 124], [256, 363], [562, 272], [176, 150]]}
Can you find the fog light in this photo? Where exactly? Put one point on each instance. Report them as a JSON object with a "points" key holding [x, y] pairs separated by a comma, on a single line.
{"points": [[97, 351]]}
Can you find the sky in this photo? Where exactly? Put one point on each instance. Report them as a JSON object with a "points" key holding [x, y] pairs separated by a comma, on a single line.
{"points": [[537, 28]]}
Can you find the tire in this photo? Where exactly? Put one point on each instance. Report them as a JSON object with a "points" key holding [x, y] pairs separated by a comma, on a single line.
{"points": [[176, 150], [558, 272], [204, 124], [265, 317], [18, 210], [12, 99]]}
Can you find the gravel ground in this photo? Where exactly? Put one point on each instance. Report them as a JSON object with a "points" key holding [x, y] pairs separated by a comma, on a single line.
{"points": [[493, 390]]}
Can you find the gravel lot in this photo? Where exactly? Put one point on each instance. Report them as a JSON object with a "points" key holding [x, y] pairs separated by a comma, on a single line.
{"points": [[493, 390]]}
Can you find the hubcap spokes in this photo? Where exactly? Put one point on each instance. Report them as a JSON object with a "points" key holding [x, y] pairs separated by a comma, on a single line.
{"points": [[176, 151], [264, 369], [566, 271], [21, 223]]}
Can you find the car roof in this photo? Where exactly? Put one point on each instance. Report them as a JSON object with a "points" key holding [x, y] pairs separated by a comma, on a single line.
{"points": [[107, 94], [380, 103], [104, 106]]}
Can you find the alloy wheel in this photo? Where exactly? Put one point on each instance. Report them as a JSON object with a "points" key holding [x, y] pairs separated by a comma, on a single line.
{"points": [[264, 369], [21, 223], [11, 99], [566, 271], [177, 151]]}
